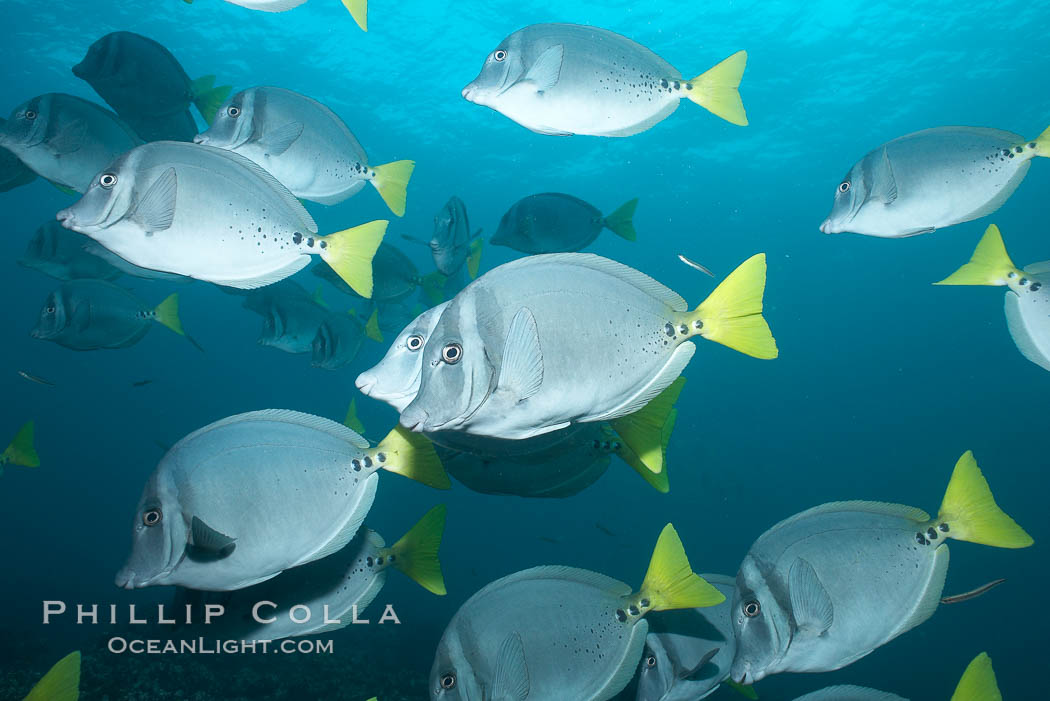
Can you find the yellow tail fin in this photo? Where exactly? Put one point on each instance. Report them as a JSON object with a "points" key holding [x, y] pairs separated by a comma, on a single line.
{"points": [[167, 313], [658, 481], [978, 682], [416, 554], [474, 259], [349, 252], [970, 512], [732, 314], [359, 11], [21, 451], [989, 265], [716, 90], [207, 97], [372, 326], [621, 222], [670, 583], [1042, 144], [748, 692], [412, 455], [351, 421], [318, 297], [391, 180], [643, 431], [61, 683]]}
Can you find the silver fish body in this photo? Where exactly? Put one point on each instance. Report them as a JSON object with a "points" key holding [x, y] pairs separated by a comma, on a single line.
{"points": [[450, 243], [550, 222], [245, 498], [290, 315], [688, 653], [93, 314], [1027, 310], [60, 253], [929, 180], [395, 379], [337, 342], [850, 693], [66, 139], [13, 172], [575, 79]]}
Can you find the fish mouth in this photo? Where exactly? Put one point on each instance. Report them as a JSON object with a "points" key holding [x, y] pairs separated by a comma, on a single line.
{"points": [[125, 579], [200, 139], [415, 423], [78, 70], [828, 228], [37, 333], [66, 218], [365, 383]]}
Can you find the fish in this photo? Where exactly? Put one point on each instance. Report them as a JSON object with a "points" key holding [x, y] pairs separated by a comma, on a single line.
{"points": [[552, 222], [973, 593], [546, 341], [21, 450], [241, 500], [396, 277], [94, 314], [688, 652], [212, 215], [36, 379], [573, 79], [452, 244], [824, 588], [291, 316], [66, 139], [395, 379], [1027, 303], [141, 383], [305, 146], [514, 638], [358, 8], [147, 86], [977, 683], [335, 588], [339, 339], [13, 173], [61, 683], [932, 179], [60, 253]]}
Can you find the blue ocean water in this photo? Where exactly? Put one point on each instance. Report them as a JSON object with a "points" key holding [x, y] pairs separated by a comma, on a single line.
{"points": [[882, 381]]}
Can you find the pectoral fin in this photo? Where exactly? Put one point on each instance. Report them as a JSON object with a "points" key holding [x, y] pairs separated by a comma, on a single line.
{"points": [[521, 372], [207, 543], [278, 141], [156, 209], [511, 680], [68, 139], [694, 674], [810, 602], [546, 71]]}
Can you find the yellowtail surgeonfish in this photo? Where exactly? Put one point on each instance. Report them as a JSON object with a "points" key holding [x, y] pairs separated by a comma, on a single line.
{"points": [[21, 450], [1027, 303], [824, 588], [516, 637], [61, 683], [575, 79]]}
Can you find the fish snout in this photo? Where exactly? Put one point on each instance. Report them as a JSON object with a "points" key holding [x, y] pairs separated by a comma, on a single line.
{"points": [[365, 382], [469, 92], [66, 217], [414, 419], [827, 227], [200, 139], [125, 578]]}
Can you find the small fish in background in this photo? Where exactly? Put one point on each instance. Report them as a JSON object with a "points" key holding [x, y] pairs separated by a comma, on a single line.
{"points": [[688, 651], [548, 341], [34, 378], [291, 315], [604, 529], [13, 172], [973, 593], [395, 379], [508, 641], [305, 146], [1027, 303], [147, 86], [61, 683], [339, 339], [223, 219], [66, 139], [931, 179], [358, 10], [573, 79], [337, 587], [452, 244], [552, 222], [141, 383], [242, 499], [21, 450], [977, 683], [809, 602], [94, 314], [396, 278], [60, 253]]}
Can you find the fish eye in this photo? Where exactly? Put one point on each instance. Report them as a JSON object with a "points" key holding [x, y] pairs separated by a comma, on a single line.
{"points": [[151, 517], [448, 681], [499, 54], [650, 661], [30, 114], [452, 353], [414, 342], [107, 180], [233, 111], [50, 310], [752, 608], [844, 187]]}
